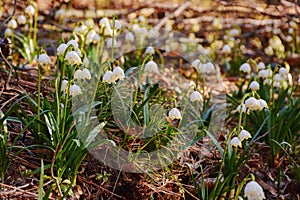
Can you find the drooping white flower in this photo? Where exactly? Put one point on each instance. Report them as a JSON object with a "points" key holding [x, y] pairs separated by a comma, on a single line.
{"points": [[246, 68], [118, 73], [73, 58], [150, 50], [59, 14], [8, 32], [74, 43], [252, 103], [196, 96], [118, 25], [108, 31], [291, 30], [261, 66], [109, 77], [283, 71], [276, 31], [244, 135], [21, 19], [151, 67], [104, 22], [263, 104], [196, 63], [92, 37], [30, 10], [86, 74], [44, 59], [209, 67], [277, 84], [277, 77], [74, 90], [61, 49], [241, 108], [129, 37], [226, 49], [265, 73], [64, 85], [81, 30], [174, 113], [82, 74], [254, 85], [110, 41], [253, 191], [236, 142], [234, 32], [289, 38], [86, 62], [12, 24]]}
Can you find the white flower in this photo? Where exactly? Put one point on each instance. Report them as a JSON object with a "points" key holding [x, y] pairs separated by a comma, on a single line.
{"points": [[129, 37], [244, 135], [236, 142], [59, 14], [291, 31], [81, 30], [82, 74], [64, 85], [21, 19], [196, 63], [109, 43], [277, 84], [252, 103], [108, 31], [118, 25], [288, 38], [209, 67], [73, 58], [74, 43], [108, 77], [290, 79], [226, 49], [86, 62], [44, 59], [90, 36], [241, 108], [263, 103], [8, 32], [151, 66], [265, 73], [174, 113], [118, 73], [89, 22], [150, 50], [61, 49], [74, 90], [104, 22], [268, 81], [261, 66], [277, 77], [283, 71], [142, 18], [254, 85], [245, 68], [253, 191], [293, 24], [12, 24], [196, 96], [30, 10], [86, 74]]}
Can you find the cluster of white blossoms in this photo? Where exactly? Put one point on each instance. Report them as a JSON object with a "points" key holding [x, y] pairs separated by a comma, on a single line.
{"points": [[74, 89], [237, 141], [112, 76], [203, 68], [82, 74], [72, 57], [253, 191], [251, 104], [280, 79]]}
